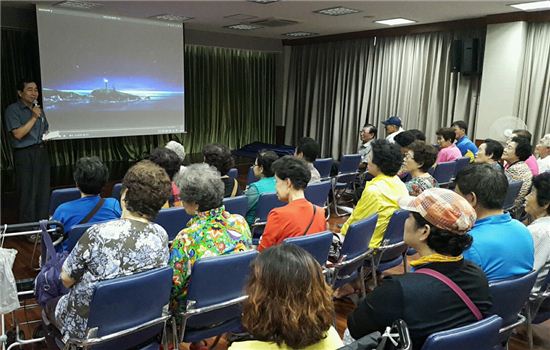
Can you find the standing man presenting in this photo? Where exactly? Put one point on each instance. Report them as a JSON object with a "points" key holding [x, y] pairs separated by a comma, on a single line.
{"points": [[26, 123]]}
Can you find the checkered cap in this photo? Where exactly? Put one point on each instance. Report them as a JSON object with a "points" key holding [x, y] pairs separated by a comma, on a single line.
{"points": [[442, 208], [545, 141]]}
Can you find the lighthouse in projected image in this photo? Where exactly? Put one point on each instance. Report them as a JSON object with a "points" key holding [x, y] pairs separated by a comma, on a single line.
{"points": [[105, 81]]}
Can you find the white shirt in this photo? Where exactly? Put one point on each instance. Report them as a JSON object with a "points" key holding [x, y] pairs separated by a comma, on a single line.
{"points": [[540, 231], [544, 164], [365, 150], [390, 137]]}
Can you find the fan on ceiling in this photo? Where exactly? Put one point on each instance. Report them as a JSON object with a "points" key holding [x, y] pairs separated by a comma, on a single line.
{"points": [[502, 128]]}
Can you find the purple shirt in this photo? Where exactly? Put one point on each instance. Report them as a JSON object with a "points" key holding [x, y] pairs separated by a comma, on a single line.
{"points": [[448, 154]]}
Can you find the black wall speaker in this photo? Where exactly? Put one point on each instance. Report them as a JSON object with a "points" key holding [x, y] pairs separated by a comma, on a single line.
{"points": [[456, 55], [466, 56]]}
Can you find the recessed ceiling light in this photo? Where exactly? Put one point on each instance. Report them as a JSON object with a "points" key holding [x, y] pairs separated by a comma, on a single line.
{"points": [[263, 1], [533, 6], [395, 21], [243, 26], [337, 11], [173, 18], [300, 34], [240, 17], [80, 4]]}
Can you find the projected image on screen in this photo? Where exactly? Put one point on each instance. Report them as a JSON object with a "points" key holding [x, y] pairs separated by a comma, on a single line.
{"points": [[110, 76]]}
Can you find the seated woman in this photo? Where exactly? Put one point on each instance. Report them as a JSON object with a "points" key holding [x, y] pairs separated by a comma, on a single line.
{"points": [[90, 175], [180, 151], [382, 192], [490, 152], [515, 154], [447, 148], [219, 156], [289, 304], [537, 205], [418, 160], [299, 217], [437, 228], [115, 248], [265, 184], [211, 232], [170, 162]]}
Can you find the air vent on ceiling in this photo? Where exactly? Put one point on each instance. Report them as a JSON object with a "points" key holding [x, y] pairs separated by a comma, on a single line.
{"points": [[274, 22]]}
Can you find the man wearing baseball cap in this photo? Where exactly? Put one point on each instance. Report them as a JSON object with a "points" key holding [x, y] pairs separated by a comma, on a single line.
{"points": [[437, 227], [393, 127]]}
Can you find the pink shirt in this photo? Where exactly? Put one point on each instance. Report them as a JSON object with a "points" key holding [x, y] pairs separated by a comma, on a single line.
{"points": [[448, 154]]}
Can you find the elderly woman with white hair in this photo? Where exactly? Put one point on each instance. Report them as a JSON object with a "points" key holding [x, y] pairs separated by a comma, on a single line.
{"points": [[543, 154], [180, 151], [211, 232]]}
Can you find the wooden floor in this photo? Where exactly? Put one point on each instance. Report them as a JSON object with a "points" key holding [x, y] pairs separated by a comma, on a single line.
{"points": [[24, 267]]}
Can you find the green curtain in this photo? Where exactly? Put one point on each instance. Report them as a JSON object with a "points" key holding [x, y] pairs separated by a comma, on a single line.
{"points": [[229, 98]]}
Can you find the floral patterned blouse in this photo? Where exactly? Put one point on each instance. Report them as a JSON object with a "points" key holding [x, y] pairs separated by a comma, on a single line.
{"points": [[210, 233]]}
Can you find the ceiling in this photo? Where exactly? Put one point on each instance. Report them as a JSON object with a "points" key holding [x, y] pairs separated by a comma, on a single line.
{"points": [[214, 15]]}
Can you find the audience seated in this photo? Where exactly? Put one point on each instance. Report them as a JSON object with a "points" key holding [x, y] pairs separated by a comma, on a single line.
{"points": [[502, 246], [393, 128], [115, 248], [367, 135], [170, 162], [90, 175], [490, 153], [289, 304], [265, 184], [543, 153], [299, 217], [437, 228], [382, 192], [308, 149], [531, 161], [464, 144], [219, 156], [211, 232], [447, 148], [515, 153], [418, 160], [180, 151], [537, 205]]}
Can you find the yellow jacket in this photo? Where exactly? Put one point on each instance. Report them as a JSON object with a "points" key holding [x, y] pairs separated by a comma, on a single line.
{"points": [[331, 342]]}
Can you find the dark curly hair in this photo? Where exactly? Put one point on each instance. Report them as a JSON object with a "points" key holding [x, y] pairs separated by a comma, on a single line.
{"points": [[488, 184], [265, 159], [166, 159], [418, 135], [542, 184], [423, 154], [405, 138], [444, 242], [289, 301], [219, 156], [523, 148], [494, 148], [387, 157], [448, 134], [290, 167], [90, 175], [147, 187]]}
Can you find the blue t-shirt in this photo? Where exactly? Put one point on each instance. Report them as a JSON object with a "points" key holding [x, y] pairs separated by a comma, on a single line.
{"points": [[502, 247], [465, 145], [71, 213]]}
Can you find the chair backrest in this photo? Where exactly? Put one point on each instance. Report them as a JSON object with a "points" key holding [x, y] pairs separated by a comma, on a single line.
{"points": [[233, 173], [349, 163], [173, 220], [444, 172], [510, 295], [266, 202], [511, 194], [481, 335], [323, 166], [356, 242], [317, 244], [61, 196], [125, 302], [250, 177], [317, 193], [117, 188], [236, 205], [461, 164], [215, 280], [393, 237], [75, 233]]}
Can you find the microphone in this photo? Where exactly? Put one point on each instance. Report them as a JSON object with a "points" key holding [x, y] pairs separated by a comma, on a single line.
{"points": [[34, 103]]}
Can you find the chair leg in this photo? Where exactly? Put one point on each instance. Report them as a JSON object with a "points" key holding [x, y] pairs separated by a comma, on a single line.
{"points": [[529, 324], [405, 261], [373, 266]]}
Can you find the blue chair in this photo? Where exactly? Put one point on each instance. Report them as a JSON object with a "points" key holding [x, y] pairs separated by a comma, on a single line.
{"points": [[536, 299], [347, 172], [461, 163], [61, 196], [444, 173], [317, 244], [236, 205], [126, 312], [509, 297], [355, 250], [250, 177], [481, 335], [214, 295], [317, 193], [117, 188], [266, 202], [173, 220], [323, 166], [75, 233], [393, 249], [511, 194], [233, 173]]}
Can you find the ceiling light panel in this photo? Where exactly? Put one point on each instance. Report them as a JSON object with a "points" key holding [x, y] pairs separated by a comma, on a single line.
{"points": [[337, 11], [243, 26], [300, 34], [264, 2], [83, 5], [395, 21], [533, 6]]}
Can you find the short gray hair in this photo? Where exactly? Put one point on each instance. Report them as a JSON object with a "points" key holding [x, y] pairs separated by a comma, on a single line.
{"points": [[201, 184], [178, 148]]}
